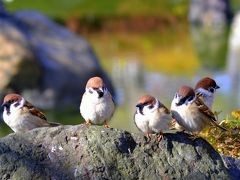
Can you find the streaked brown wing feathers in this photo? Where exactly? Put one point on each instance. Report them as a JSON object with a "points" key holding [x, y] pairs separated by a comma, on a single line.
{"points": [[34, 111], [204, 109], [166, 110]]}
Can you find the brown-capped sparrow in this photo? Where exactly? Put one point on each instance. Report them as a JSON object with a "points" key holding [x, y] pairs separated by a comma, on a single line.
{"points": [[152, 116], [97, 106], [205, 89], [21, 116], [190, 112]]}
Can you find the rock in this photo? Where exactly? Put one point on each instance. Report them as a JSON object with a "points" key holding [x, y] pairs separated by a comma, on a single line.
{"points": [[233, 166], [83, 152], [45, 57], [209, 22]]}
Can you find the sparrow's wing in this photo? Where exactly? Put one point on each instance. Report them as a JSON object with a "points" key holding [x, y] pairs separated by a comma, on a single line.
{"points": [[35, 112], [165, 109], [206, 111], [199, 95], [113, 103]]}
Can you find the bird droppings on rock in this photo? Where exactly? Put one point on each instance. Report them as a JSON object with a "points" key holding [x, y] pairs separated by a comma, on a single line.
{"points": [[74, 138], [60, 148]]}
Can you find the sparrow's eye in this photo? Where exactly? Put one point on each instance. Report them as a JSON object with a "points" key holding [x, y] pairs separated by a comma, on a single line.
{"points": [[17, 104]]}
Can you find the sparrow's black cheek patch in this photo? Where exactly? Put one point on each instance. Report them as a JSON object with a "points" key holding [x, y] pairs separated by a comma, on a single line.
{"points": [[211, 90], [8, 110], [100, 94], [150, 107], [91, 91], [141, 111], [17, 104]]}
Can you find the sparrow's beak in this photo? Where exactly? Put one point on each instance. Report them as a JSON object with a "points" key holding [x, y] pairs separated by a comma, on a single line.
{"points": [[6, 104], [100, 93], [140, 107], [217, 87]]}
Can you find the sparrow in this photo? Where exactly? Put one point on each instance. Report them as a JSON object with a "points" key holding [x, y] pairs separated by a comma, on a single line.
{"points": [[97, 105], [152, 116], [205, 89], [22, 116], [190, 112]]}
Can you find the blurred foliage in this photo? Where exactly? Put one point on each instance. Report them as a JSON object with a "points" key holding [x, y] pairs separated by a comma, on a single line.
{"points": [[235, 5], [79, 8], [211, 47], [228, 142], [64, 9], [164, 50]]}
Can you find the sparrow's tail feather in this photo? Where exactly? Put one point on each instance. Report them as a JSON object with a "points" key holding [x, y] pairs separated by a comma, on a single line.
{"points": [[54, 124], [219, 126]]}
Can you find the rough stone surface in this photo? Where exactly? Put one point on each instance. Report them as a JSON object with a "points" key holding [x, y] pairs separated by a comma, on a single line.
{"points": [[46, 57], [83, 152]]}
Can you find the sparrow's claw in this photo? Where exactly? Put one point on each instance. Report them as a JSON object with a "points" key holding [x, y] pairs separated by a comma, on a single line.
{"points": [[159, 137], [148, 137], [106, 125], [88, 122], [193, 136]]}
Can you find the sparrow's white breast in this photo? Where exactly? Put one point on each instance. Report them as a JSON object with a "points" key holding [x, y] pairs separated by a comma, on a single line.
{"points": [[153, 122], [142, 123], [206, 96], [187, 116], [97, 110], [159, 121], [12, 119], [21, 121]]}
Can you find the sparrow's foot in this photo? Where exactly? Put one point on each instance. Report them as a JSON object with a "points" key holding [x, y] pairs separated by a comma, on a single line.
{"points": [[159, 137], [193, 136], [147, 137], [106, 125], [88, 122]]}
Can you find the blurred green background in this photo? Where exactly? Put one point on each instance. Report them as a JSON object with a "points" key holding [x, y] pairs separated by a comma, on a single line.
{"points": [[150, 38]]}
